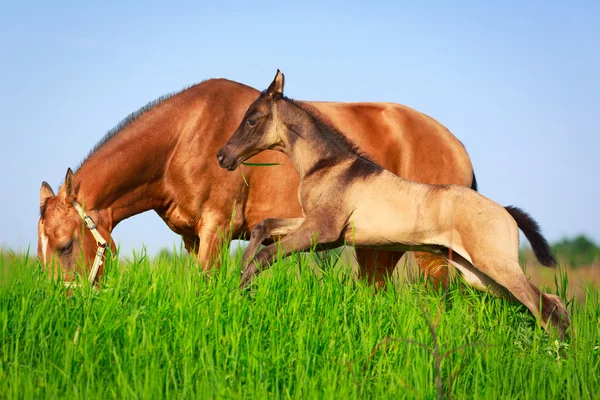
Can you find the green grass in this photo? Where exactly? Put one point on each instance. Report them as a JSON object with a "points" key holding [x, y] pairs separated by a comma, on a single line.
{"points": [[162, 329]]}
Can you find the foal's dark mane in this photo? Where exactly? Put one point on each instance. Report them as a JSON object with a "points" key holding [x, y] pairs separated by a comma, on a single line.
{"points": [[129, 120], [331, 133]]}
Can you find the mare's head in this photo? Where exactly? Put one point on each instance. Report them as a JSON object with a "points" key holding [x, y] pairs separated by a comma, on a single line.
{"points": [[259, 130], [65, 244]]}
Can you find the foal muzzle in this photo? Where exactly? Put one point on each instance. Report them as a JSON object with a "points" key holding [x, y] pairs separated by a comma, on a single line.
{"points": [[229, 164]]}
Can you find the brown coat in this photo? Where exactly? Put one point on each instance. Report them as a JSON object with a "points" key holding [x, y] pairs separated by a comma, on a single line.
{"points": [[162, 158]]}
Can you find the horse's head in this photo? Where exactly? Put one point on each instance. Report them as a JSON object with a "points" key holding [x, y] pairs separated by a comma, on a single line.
{"points": [[66, 244], [258, 131]]}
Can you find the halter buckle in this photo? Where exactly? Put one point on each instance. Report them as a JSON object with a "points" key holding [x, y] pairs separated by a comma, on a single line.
{"points": [[89, 222]]}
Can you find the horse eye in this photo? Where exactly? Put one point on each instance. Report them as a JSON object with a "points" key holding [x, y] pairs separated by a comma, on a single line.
{"points": [[251, 122], [66, 249]]}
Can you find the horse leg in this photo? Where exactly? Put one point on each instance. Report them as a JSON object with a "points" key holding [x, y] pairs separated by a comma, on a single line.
{"points": [[268, 228], [549, 310], [376, 266], [191, 244], [307, 233], [434, 268], [213, 234], [503, 274], [553, 311]]}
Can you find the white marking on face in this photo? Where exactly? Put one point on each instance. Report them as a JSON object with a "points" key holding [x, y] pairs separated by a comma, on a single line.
{"points": [[44, 239]]}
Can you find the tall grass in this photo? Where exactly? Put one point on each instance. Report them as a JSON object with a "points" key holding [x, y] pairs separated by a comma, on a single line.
{"points": [[160, 328]]}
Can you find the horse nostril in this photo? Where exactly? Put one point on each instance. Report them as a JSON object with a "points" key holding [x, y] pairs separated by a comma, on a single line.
{"points": [[220, 156]]}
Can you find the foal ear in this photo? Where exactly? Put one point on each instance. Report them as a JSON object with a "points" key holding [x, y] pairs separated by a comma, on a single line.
{"points": [[68, 192], [276, 87], [45, 193]]}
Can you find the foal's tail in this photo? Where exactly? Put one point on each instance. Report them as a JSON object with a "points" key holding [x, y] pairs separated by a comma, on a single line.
{"points": [[531, 229]]}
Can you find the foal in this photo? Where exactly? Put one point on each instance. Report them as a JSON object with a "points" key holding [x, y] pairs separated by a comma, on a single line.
{"points": [[346, 197]]}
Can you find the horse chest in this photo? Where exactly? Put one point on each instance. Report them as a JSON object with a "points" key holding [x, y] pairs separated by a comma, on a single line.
{"points": [[179, 220]]}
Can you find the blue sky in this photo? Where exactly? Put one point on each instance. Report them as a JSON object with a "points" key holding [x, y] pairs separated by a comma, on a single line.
{"points": [[516, 82]]}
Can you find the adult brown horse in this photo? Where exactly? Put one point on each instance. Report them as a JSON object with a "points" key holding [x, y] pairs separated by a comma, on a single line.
{"points": [[162, 158]]}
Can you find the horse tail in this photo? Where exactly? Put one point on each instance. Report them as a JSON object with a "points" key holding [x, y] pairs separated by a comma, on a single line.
{"points": [[474, 182], [532, 231]]}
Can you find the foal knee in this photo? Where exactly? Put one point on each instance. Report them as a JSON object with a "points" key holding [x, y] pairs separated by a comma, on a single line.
{"points": [[260, 230], [257, 232]]}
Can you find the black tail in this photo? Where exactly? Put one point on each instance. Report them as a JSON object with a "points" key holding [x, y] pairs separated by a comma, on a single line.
{"points": [[474, 184], [531, 229]]}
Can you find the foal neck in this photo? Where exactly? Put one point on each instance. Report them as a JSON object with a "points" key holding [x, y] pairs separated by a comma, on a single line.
{"points": [[313, 142]]}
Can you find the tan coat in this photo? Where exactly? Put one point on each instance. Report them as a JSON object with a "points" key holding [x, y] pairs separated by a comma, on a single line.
{"points": [[346, 197]]}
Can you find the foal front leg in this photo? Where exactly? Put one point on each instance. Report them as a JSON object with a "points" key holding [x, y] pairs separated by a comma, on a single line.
{"points": [[309, 232], [268, 228]]}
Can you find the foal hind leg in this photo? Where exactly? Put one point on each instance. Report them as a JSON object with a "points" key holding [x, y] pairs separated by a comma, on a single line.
{"points": [[553, 310], [550, 312], [376, 266], [476, 279], [508, 274]]}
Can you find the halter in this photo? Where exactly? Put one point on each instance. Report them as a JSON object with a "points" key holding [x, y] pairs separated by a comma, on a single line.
{"points": [[89, 223]]}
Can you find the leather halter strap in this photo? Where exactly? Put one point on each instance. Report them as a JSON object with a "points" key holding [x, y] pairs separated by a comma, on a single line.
{"points": [[100, 241]]}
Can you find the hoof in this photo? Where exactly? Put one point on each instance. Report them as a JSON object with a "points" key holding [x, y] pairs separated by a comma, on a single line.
{"points": [[247, 275]]}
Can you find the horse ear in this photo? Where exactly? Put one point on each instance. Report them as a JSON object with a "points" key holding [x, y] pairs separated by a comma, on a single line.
{"points": [[45, 193], [68, 192], [276, 87]]}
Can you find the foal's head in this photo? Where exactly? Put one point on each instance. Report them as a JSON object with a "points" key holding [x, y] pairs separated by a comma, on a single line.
{"points": [[65, 244], [259, 130]]}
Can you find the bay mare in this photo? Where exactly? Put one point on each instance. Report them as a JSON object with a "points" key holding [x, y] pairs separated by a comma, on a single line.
{"points": [[162, 158], [347, 197]]}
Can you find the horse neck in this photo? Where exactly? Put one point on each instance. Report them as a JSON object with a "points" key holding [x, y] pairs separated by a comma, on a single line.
{"points": [[306, 142], [124, 176]]}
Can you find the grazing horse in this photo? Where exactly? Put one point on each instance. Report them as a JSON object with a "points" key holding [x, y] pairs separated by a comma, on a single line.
{"points": [[161, 158], [347, 197]]}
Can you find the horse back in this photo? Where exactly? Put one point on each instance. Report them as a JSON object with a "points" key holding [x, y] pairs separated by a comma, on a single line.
{"points": [[404, 141]]}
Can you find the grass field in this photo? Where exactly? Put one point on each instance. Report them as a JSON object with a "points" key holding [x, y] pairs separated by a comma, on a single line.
{"points": [[159, 328]]}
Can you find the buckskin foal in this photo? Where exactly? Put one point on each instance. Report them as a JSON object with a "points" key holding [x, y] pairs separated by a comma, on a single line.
{"points": [[161, 158], [346, 197]]}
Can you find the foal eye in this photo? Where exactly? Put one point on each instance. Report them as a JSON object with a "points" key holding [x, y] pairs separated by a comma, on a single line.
{"points": [[66, 249], [251, 122]]}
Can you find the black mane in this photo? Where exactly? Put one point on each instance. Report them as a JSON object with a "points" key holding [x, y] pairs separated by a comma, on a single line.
{"points": [[332, 133], [128, 120]]}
